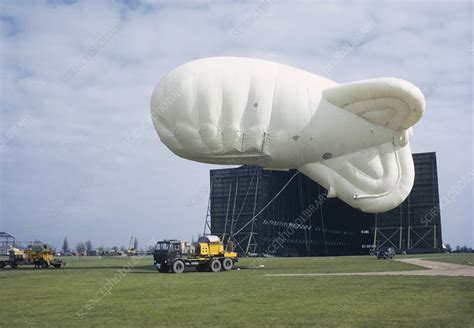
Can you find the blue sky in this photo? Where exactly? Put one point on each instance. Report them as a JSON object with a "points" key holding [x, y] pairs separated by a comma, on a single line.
{"points": [[79, 157]]}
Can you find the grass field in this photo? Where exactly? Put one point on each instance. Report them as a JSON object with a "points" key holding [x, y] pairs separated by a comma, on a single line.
{"points": [[129, 292]]}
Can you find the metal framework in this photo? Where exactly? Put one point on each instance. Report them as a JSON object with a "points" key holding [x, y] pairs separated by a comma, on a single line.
{"points": [[414, 225], [6, 241], [258, 210], [233, 203], [207, 221]]}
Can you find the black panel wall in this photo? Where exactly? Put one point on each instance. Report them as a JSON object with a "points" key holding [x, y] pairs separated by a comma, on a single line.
{"points": [[415, 226], [302, 222]]}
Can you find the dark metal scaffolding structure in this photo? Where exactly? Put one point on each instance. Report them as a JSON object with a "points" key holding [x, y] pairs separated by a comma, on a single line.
{"points": [[285, 213], [414, 226], [235, 198], [6, 241]]}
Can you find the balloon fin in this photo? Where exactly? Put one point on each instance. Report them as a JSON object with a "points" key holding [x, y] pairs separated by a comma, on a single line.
{"points": [[373, 180], [393, 103]]}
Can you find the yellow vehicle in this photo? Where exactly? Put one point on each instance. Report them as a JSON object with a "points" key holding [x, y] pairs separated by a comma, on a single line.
{"points": [[40, 255], [131, 251], [208, 254]]}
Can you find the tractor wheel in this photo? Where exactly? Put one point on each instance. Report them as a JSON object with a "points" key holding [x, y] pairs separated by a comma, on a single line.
{"points": [[45, 265], [178, 266], [227, 264], [215, 265]]}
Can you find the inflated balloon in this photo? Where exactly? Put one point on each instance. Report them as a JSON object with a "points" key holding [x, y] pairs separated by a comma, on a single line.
{"points": [[352, 138]]}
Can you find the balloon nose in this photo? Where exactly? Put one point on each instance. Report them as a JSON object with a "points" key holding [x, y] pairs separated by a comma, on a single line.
{"points": [[164, 107]]}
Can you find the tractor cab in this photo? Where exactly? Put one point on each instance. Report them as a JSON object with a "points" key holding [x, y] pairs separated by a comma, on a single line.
{"points": [[167, 251]]}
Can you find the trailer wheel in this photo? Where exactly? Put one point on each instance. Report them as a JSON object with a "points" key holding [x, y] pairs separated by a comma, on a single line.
{"points": [[215, 265], [227, 264], [178, 266]]}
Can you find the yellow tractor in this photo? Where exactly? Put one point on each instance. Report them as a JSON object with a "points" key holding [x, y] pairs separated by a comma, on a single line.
{"points": [[208, 254]]}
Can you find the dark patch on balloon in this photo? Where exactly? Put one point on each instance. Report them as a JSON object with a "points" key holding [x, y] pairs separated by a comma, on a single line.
{"points": [[327, 155]]}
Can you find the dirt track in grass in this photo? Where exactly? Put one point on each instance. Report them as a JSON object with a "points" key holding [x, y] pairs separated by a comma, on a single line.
{"points": [[433, 269]]}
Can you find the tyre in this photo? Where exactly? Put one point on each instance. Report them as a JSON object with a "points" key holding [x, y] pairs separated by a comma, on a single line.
{"points": [[178, 266], [215, 265], [227, 264]]}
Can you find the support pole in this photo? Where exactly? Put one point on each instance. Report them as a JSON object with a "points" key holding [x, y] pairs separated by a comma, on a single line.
{"points": [[408, 242], [252, 237], [401, 227], [227, 212], [375, 233]]}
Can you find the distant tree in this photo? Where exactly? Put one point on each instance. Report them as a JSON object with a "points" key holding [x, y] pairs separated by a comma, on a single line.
{"points": [[135, 243], [465, 249], [36, 241], [80, 248], [122, 248], [448, 248], [65, 246], [88, 246], [458, 249]]}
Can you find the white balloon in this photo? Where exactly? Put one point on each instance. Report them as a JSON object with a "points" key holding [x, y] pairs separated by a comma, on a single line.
{"points": [[352, 138]]}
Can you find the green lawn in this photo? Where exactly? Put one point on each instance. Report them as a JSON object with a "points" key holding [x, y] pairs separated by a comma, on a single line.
{"points": [[84, 293]]}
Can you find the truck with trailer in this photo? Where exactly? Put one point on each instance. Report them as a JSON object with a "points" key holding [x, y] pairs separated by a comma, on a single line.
{"points": [[38, 254], [207, 254]]}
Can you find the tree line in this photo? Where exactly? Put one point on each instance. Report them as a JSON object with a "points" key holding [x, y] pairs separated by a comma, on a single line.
{"points": [[87, 248]]}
